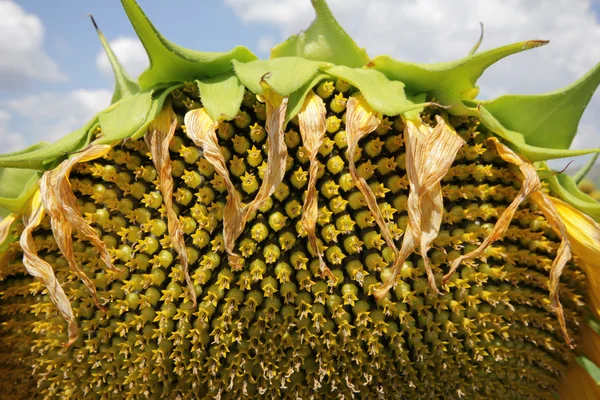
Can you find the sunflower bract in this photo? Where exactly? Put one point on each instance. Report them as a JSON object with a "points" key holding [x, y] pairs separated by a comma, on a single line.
{"points": [[263, 272]]}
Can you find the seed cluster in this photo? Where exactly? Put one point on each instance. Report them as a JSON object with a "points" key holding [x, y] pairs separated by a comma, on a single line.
{"points": [[277, 328]]}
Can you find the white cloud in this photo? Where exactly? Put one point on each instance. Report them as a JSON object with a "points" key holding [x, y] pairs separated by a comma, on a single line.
{"points": [[10, 141], [21, 46], [441, 30], [131, 54], [53, 115]]}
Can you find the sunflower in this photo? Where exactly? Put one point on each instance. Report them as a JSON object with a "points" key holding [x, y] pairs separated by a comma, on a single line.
{"points": [[321, 224]]}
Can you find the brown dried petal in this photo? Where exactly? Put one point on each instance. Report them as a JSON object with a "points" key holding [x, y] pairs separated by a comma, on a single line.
{"points": [[429, 154], [201, 129], [313, 125], [360, 121], [41, 269], [277, 153], [159, 136], [61, 205]]}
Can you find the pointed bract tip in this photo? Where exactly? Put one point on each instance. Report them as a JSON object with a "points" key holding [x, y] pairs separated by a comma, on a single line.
{"points": [[94, 22], [532, 44]]}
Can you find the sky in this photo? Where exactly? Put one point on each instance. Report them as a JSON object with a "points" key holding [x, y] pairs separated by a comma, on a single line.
{"points": [[54, 76]]}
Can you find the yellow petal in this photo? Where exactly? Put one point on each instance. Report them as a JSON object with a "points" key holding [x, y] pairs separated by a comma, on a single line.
{"points": [[60, 203], [159, 136], [5, 225], [41, 269], [430, 153], [578, 385], [313, 125], [201, 129], [584, 236]]}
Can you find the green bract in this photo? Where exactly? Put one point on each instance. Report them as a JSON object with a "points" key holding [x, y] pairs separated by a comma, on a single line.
{"points": [[541, 127]]}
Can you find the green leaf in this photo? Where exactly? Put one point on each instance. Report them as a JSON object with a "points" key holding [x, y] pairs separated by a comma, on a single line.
{"points": [[284, 75], [517, 141], [296, 99], [221, 95], [16, 186], [172, 63], [457, 78], [547, 120], [594, 324], [125, 118], [130, 117], [124, 85], [583, 171], [590, 367], [40, 155], [324, 40], [563, 186], [382, 94]]}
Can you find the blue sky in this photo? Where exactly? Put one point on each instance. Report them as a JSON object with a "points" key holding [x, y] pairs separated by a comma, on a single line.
{"points": [[54, 79]]}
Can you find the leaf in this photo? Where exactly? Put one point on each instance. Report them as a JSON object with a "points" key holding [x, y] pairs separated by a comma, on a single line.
{"points": [[583, 171], [383, 95], [457, 78], [518, 141], [592, 369], [221, 96], [478, 43], [547, 120], [172, 63], [296, 99], [40, 155], [563, 186], [283, 75], [16, 187], [324, 40], [124, 85], [130, 117]]}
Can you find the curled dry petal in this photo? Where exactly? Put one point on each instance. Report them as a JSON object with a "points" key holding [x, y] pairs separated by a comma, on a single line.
{"points": [[360, 121], [40, 269], [429, 154], [313, 124], [158, 138], [277, 152], [201, 129], [531, 186], [61, 205]]}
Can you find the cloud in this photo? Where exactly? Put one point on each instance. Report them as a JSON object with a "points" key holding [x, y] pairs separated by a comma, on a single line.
{"points": [[441, 30], [10, 141], [131, 54], [51, 116], [21, 45]]}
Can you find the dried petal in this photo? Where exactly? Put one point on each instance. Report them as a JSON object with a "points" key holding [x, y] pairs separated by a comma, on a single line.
{"points": [[313, 124], [158, 138], [201, 129], [429, 154], [61, 205], [360, 121], [41, 269], [277, 152], [531, 186]]}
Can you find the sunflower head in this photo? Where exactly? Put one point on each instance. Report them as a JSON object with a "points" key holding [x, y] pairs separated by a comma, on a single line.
{"points": [[321, 224]]}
